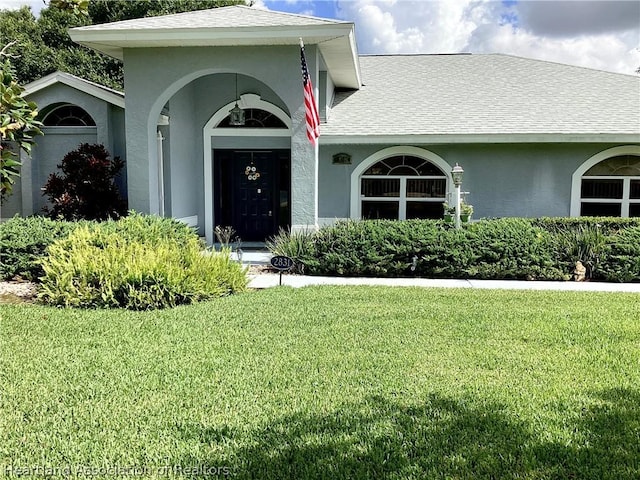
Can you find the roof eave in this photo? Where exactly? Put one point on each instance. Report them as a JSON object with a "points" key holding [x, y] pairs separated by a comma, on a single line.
{"points": [[500, 138], [336, 41], [341, 56], [99, 91]]}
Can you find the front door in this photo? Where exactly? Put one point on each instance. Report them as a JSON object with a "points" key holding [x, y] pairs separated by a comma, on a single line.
{"points": [[252, 191]]}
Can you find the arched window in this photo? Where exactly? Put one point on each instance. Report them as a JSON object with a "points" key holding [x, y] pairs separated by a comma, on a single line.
{"points": [[68, 115], [612, 188], [402, 187], [255, 118]]}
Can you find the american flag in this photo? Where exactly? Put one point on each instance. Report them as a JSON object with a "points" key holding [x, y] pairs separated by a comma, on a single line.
{"points": [[310, 108]]}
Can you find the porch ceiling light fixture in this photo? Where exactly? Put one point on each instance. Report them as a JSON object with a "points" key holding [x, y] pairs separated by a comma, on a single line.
{"points": [[236, 117]]}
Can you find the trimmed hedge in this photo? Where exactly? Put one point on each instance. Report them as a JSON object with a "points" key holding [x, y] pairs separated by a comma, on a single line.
{"points": [[623, 257], [507, 248], [608, 225]]}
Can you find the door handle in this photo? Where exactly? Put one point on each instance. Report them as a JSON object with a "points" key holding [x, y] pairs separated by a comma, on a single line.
{"points": [[270, 213]]}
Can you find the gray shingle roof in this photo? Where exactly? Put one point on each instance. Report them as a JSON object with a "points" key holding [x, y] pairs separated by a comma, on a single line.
{"points": [[230, 26], [484, 95], [237, 16]]}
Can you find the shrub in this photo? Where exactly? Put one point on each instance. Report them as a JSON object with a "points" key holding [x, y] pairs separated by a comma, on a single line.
{"points": [[607, 225], [350, 248], [511, 248], [23, 244], [507, 248], [150, 229], [86, 188], [623, 260], [296, 245], [503, 248], [447, 255], [584, 242], [371, 247], [136, 263]]}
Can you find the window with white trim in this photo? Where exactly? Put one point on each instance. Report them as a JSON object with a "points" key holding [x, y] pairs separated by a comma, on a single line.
{"points": [[255, 118], [68, 115], [402, 187], [612, 188]]}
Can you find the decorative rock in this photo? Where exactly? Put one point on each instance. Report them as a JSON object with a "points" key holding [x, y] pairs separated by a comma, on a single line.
{"points": [[21, 290]]}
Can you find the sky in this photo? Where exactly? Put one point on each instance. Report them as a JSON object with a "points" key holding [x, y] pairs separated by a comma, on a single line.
{"points": [[600, 34]]}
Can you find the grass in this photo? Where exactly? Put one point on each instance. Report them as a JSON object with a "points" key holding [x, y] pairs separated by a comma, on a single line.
{"points": [[328, 382]]}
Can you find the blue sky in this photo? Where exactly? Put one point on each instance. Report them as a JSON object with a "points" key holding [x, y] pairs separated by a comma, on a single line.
{"points": [[600, 34], [318, 8]]}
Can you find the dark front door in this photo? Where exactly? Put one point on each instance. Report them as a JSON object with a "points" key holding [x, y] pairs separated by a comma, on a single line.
{"points": [[253, 191]]}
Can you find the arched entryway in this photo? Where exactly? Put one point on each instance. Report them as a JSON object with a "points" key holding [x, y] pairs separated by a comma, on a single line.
{"points": [[248, 170]]}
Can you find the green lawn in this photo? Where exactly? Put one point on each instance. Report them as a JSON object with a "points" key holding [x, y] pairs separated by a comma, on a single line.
{"points": [[328, 382]]}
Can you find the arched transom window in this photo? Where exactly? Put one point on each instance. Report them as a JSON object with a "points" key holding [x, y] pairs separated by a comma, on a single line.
{"points": [[68, 116], [255, 118], [612, 188], [402, 187]]}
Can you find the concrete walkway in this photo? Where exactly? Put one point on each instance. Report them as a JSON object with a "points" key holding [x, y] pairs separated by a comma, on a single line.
{"points": [[273, 279]]}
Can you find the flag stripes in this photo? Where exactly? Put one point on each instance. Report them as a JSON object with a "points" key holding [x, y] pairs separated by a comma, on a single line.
{"points": [[310, 106]]}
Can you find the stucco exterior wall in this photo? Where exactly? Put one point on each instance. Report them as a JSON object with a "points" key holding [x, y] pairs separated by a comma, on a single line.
{"points": [[186, 166], [56, 142], [52, 147], [149, 84], [12, 205], [189, 110], [97, 108], [529, 180], [117, 145]]}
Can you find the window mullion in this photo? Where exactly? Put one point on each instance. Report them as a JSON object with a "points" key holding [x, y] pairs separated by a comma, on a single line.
{"points": [[402, 210], [626, 193]]}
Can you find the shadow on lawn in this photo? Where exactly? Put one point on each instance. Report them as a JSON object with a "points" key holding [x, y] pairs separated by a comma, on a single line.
{"points": [[440, 438], [611, 449]]}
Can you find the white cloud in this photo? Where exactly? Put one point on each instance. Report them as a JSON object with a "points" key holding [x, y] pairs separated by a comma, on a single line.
{"points": [[393, 26], [597, 34], [570, 18], [603, 51]]}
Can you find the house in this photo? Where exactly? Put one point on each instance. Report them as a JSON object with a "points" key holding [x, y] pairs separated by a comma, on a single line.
{"points": [[73, 111], [534, 138]]}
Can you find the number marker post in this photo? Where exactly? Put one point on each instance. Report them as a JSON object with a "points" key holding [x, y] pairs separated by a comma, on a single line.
{"points": [[282, 263]]}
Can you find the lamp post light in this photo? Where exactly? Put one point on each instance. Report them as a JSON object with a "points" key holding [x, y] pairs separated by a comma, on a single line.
{"points": [[456, 174]]}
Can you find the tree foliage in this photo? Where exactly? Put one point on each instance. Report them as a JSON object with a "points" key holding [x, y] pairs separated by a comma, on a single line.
{"points": [[45, 45], [18, 124], [103, 11], [86, 187]]}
